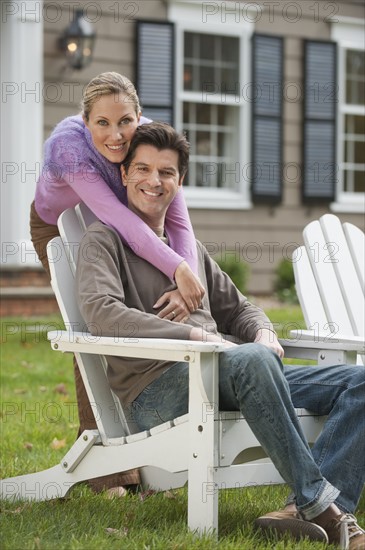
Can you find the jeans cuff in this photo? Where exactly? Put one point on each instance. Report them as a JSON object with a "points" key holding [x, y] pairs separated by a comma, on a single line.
{"points": [[324, 498], [290, 499]]}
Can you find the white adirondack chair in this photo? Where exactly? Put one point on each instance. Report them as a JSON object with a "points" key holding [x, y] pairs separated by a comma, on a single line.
{"points": [[208, 448], [329, 275]]}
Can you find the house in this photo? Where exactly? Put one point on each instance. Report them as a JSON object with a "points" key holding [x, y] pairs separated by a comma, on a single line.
{"points": [[270, 93]]}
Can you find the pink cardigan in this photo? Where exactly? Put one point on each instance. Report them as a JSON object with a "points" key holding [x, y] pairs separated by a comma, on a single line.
{"points": [[75, 171]]}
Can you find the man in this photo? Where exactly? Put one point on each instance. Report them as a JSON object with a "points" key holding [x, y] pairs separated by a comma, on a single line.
{"points": [[117, 292]]}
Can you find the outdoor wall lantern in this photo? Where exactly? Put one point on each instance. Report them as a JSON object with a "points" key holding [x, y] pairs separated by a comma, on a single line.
{"points": [[77, 42]]}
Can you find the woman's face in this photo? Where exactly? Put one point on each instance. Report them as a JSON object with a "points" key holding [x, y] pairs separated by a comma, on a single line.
{"points": [[112, 123]]}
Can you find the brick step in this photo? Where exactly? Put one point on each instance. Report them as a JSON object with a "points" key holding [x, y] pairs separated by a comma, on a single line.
{"points": [[23, 277], [27, 301]]}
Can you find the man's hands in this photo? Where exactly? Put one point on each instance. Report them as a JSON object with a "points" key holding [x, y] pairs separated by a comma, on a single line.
{"points": [[201, 335], [269, 339], [185, 299], [175, 309]]}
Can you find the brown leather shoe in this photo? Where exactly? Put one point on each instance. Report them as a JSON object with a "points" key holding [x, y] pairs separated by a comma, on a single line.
{"points": [[346, 533], [291, 522]]}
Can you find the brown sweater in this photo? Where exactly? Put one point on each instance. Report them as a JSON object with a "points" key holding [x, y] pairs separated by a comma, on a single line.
{"points": [[117, 290]]}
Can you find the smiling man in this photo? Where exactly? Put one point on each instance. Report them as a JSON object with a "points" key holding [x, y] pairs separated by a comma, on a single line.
{"points": [[152, 180], [117, 293]]}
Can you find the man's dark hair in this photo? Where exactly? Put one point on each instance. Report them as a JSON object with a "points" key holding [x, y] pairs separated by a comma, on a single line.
{"points": [[162, 136]]}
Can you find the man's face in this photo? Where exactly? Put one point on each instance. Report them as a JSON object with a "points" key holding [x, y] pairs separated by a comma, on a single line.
{"points": [[152, 182]]}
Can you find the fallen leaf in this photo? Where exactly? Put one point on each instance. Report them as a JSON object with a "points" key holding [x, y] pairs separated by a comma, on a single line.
{"points": [[73, 426], [146, 494], [169, 494], [37, 542], [19, 391], [26, 364], [28, 445], [61, 388], [120, 533], [26, 345], [42, 388], [115, 492], [16, 511], [58, 443]]}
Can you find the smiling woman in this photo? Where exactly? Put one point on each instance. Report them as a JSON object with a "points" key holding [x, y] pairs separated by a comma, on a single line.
{"points": [[82, 160], [112, 123]]}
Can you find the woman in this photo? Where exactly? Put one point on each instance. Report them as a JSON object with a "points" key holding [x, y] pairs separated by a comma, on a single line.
{"points": [[82, 160]]}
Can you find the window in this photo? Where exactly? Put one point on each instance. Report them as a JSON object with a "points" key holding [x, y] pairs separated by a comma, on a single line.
{"points": [[353, 123], [212, 68], [351, 116], [210, 61]]}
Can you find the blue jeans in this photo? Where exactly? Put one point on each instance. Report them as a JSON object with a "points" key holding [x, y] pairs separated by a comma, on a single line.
{"points": [[253, 380]]}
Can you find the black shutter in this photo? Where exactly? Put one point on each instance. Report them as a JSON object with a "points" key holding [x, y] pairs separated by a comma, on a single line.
{"points": [[319, 121], [155, 69], [267, 127]]}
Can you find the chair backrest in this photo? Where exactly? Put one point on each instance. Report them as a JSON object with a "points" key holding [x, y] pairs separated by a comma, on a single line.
{"points": [[84, 214], [329, 277], [62, 254], [355, 240]]}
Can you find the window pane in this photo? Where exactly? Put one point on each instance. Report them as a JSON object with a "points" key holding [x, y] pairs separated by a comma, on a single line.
{"points": [[230, 49], [213, 150], [186, 108], [221, 114], [359, 181], [207, 46], [354, 151], [222, 138], [355, 77], [203, 144], [228, 85], [206, 174], [354, 139], [355, 124], [210, 59], [207, 79], [188, 45], [188, 77], [204, 114], [354, 181], [355, 91]]}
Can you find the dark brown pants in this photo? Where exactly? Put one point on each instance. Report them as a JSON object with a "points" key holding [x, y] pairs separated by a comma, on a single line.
{"points": [[41, 234]]}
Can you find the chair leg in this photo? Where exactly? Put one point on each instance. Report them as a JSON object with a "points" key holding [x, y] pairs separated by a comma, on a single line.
{"points": [[45, 485], [202, 503], [203, 435], [54, 482]]}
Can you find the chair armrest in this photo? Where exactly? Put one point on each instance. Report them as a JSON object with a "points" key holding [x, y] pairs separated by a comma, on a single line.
{"points": [[143, 348], [328, 338], [324, 351]]}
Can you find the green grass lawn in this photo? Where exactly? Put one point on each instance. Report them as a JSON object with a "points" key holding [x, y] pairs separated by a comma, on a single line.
{"points": [[39, 424]]}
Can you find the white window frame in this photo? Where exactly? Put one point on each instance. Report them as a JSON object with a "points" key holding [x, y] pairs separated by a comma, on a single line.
{"points": [[348, 32], [188, 17]]}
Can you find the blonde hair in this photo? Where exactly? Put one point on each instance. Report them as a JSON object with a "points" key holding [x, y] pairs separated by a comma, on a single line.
{"points": [[107, 84]]}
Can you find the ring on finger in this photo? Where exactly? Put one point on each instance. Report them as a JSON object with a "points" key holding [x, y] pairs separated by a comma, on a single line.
{"points": [[173, 314]]}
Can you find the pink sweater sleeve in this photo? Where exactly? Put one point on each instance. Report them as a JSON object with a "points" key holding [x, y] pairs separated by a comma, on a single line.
{"points": [[180, 231], [101, 200]]}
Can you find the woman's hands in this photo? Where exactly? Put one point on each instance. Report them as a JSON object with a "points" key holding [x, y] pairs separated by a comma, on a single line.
{"points": [[191, 289], [175, 308]]}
